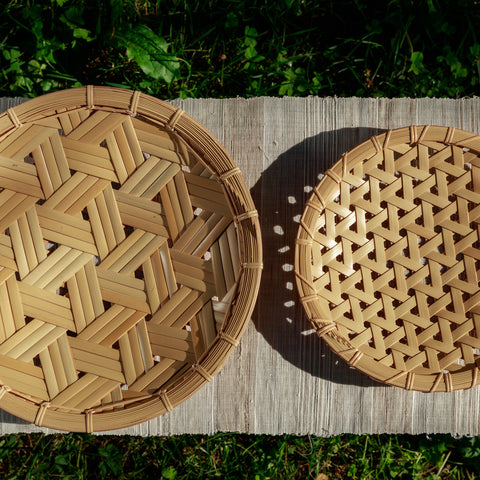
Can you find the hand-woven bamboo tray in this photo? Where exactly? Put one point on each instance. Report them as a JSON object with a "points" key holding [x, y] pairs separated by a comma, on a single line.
{"points": [[388, 258], [130, 258]]}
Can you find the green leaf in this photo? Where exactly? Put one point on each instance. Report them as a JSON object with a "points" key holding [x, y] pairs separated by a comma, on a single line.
{"points": [[417, 63], [150, 52], [82, 33], [169, 473]]}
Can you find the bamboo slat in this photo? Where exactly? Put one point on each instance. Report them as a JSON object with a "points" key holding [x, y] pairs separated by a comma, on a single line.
{"points": [[97, 303]]}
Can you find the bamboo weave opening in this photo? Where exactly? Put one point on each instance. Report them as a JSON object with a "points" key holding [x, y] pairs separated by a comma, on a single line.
{"points": [[388, 261], [126, 278]]}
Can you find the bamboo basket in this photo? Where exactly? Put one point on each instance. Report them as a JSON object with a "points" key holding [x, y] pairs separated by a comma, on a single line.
{"points": [[387, 258], [130, 258]]}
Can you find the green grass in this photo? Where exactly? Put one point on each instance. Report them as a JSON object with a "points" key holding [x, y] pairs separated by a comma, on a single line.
{"points": [[213, 48], [235, 456]]}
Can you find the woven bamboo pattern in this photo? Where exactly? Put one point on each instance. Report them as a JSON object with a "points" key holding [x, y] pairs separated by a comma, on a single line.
{"points": [[130, 258], [388, 260]]}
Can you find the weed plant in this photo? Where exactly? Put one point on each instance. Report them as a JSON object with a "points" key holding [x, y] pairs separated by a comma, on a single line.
{"points": [[214, 48]]}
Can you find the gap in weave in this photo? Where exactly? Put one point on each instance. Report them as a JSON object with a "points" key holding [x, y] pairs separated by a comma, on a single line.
{"points": [[457, 237], [403, 232], [446, 289], [401, 213], [414, 310], [437, 229], [29, 160], [381, 314], [383, 204], [40, 201], [36, 361], [146, 155], [106, 305], [71, 333], [430, 300], [62, 290], [410, 292], [85, 215], [115, 185], [139, 273], [427, 281], [27, 319], [366, 196], [197, 212], [434, 189], [466, 296], [50, 247], [397, 174], [397, 155], [451, 178], [467, 166], [128, 229], [450, 307], [399, 322]]}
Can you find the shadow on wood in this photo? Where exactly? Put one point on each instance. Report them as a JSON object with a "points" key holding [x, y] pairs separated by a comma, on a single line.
{"points": [[280, 196]]}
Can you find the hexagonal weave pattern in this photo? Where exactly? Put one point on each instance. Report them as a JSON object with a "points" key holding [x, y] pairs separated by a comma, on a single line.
{"points": [[130, 258], [388, 258]]}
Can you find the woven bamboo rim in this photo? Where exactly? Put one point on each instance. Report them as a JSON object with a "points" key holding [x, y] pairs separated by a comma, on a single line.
{"points": [[388, 261], [130, 258]]}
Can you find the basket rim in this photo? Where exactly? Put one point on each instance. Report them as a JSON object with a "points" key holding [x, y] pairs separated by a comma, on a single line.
{"points": [[213, 155], [316, 311]]}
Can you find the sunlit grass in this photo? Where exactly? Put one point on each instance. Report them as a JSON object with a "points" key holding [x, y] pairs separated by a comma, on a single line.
{"points": [[238, 456]]}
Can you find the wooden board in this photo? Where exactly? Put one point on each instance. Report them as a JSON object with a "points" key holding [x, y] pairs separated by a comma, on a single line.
{"points": [[282, 378]]}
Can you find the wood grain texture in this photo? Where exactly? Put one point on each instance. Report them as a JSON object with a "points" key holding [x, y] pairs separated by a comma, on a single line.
{"points": [[282, 378]]}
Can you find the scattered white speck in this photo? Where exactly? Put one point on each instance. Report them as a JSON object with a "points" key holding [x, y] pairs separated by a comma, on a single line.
{"points": [[289, 304], [278, 230], [287, 267], [297, 218], [308, 332], [291, 200], [289, 286], [284, 249]]}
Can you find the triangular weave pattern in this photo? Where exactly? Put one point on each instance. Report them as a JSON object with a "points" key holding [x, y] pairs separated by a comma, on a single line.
{"points": [[388, 258], [119, 260]]}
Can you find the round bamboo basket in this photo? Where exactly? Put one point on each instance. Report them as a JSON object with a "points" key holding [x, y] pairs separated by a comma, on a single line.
{"points": [[130, 258], [388, 262]]}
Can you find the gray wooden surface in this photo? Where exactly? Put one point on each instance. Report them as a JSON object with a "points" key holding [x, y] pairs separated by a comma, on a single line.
{"points": [[281, 378]]}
